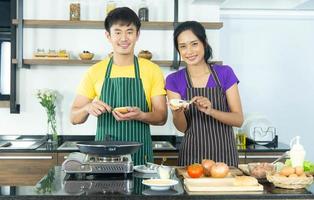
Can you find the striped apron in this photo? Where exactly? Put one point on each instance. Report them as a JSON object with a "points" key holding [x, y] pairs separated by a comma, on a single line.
{"points": [[206, 137], [119, 92]]}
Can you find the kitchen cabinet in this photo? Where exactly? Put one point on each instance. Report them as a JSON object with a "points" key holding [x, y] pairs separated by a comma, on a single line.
{"points": [[171, 158], [62, 157], [25, 168]]}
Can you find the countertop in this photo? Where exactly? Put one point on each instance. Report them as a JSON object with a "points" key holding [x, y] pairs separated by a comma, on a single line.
{"points": [[56, 186], [175, 140]]}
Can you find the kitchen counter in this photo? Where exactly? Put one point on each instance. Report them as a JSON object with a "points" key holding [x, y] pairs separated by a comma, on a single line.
{"points": [[56, 186], [172, 139]]}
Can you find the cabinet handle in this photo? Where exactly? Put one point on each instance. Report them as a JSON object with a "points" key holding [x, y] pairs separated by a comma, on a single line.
{"points": [[25, 157], [262, 156], [241, 156], [161, 157]]}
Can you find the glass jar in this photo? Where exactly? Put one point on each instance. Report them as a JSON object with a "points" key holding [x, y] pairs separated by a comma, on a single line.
{"points": [[111, 5], [75, 11], [143, 12]]}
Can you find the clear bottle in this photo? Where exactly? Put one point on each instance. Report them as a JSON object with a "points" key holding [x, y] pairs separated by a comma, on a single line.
{"points": [[111, 5], [297, 152], [143, 12]]}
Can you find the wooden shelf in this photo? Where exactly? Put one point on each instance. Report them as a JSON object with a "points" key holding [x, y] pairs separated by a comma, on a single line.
{"points": [[162, 63], [4, 104], [154, 25]]}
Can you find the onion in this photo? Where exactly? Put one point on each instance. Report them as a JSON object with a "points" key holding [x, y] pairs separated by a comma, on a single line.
{"points": [[219, 170], [207, 165]]}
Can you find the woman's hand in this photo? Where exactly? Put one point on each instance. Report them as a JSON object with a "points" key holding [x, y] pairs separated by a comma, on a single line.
{"points": [[177, 109], [203, 104]]}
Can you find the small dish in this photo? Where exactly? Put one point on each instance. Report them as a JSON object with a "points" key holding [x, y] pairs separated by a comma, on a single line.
{"points": [[144, 169], [160, 184]]}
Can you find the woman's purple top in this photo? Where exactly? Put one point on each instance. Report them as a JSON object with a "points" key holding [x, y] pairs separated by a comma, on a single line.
{"points": [[176, 82]]}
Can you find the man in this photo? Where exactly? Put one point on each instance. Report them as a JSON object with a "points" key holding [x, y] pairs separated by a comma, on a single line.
{"points": [[119, 81]]}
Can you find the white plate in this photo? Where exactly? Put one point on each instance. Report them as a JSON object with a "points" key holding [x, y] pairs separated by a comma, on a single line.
{"points": [[160, 184], [144, 169]]}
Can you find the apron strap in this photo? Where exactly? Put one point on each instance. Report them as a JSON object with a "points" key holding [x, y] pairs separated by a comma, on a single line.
{"points": [[188, 78], [136, 68], [109, 67], [215, 76]]}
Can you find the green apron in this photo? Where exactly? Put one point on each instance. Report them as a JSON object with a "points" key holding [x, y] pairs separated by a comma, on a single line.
{"points": [[119, 92]]}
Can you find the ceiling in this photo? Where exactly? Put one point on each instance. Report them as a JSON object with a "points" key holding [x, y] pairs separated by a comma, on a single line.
{"points": [[261, 4]]}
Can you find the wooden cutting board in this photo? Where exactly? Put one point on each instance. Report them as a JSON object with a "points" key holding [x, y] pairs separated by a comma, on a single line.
{"points": [[208, 184]]}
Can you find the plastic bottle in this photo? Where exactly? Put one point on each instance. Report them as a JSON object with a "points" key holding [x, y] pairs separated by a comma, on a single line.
{"points": [[297, 152]]}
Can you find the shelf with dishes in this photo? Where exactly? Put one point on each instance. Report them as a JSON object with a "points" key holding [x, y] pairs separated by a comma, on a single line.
{"points": [[65, 62], [151, 25]]}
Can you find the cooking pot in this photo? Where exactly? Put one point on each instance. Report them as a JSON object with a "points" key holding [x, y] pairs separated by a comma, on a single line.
{"points": [[108, 148]]}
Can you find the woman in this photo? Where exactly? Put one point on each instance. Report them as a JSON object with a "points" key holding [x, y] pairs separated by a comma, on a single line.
{"points": [[207, 123]]}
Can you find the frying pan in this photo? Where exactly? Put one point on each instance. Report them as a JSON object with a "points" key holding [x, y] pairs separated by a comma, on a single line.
{"points": [[108, 148]]}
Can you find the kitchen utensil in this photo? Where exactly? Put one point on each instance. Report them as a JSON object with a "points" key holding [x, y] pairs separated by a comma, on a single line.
{"points": [[160, 184], [108, 148], [281, 157]]}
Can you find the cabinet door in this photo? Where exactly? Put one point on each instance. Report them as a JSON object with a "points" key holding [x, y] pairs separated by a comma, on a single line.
{"points": [[25, 168], [171, 158], [62, 157], [263, 156]]}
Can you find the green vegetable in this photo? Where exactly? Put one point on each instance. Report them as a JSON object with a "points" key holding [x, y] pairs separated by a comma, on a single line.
{"points": [[308, 166]]}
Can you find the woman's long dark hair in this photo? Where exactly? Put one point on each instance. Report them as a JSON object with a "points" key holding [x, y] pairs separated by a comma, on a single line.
{"points": [[200, 33]]}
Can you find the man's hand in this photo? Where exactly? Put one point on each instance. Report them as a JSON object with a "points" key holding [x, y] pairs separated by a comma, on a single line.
{"points": [[134, 113], [203, 104], [97, 107]]}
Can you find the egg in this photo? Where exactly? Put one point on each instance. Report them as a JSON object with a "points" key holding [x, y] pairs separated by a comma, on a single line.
{"points": [[299, 170], [293, 176], [286, 171]]}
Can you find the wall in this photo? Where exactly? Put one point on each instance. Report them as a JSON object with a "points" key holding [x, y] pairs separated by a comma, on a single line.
{"points": [[272, 54], [64, 79]]}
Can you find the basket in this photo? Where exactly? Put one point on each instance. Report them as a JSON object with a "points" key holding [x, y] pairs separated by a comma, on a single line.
{"points": [[289, 182], [86, 56]]}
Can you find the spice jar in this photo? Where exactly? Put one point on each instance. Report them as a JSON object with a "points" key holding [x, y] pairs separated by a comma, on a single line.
{"points": [[111, 5], [75, 11], [143, 13]]}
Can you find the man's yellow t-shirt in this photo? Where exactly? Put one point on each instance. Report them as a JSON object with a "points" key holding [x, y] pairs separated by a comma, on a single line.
{"points": [[150, 74]]}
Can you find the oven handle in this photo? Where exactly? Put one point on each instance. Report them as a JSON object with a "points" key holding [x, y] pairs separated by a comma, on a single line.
{"points": [[25, 157]]}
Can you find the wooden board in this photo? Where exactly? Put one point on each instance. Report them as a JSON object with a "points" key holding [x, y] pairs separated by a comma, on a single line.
{"points": [[208, 184], [218, 185]]}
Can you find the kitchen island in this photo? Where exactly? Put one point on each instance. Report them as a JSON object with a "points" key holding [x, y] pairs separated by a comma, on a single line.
{"points": [[58, 185]]}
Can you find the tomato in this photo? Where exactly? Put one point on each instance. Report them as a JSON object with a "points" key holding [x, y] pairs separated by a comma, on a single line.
{"points": [[195, 170]]}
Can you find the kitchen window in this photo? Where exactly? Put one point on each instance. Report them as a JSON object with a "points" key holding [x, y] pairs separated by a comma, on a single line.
{"points": [[5, 68], [5, 50]]}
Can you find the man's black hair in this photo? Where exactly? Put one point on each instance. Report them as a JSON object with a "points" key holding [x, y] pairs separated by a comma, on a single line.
{"points": [[122, 16]]}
